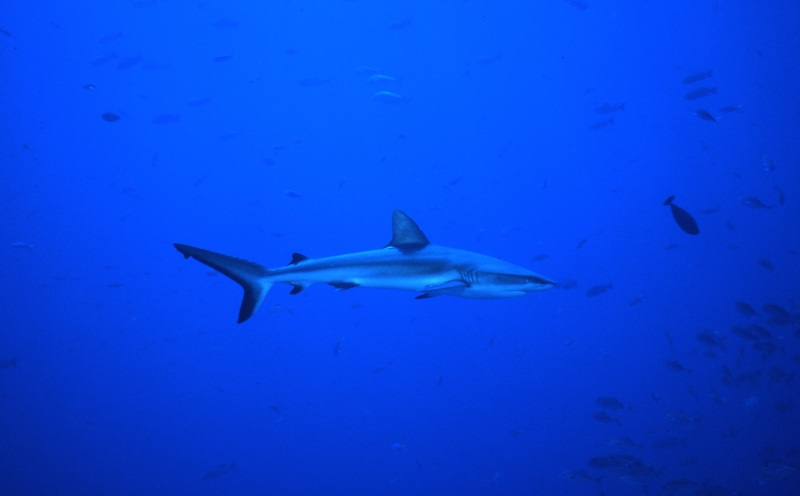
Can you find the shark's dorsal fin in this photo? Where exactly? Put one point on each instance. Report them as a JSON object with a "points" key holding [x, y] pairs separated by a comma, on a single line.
{"points": [[406, 234]]}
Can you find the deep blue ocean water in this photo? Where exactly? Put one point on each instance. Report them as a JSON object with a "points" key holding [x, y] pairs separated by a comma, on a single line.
{"points": [[254, 129]]}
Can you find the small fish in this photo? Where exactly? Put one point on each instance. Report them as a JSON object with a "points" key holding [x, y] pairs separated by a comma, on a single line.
{"points": [[104, 59], [20, 245], [579, 4], [129, 62], [400, 25], [581, 243], [491, 343], [398, 446], [220, 471], [609, 403], [622, 442], [7, 364], [766, 264], [601, 124], [709, 337], [387, 97], [745, 309], [744, 333], [199, 101], [705, 115], [337, 346], [709, 211], [679, 417], [698, 76], [776, 311], [675, 366], [755, 203], [540, 257], [700, 93], [380, 79], [730, 225], [222, 58], [635, 301], [166, 119], [729, 109], [685, 221], [88, 86], [604, 418], [313, 82], [292, 194], [668, 335], [268, 162], [767, 164], [514, 433], [378, 370], [607, 108], [598, 289], [6, 32], [110, 117]]}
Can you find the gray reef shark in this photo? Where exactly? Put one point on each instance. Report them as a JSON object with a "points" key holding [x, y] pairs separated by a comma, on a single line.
{"points": [[408, 262]]}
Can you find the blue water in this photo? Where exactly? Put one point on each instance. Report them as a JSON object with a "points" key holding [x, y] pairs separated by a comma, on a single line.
{"points": [[252, 129]]}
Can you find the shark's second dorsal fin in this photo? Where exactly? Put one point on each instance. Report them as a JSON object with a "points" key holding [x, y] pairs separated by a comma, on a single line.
{"points": [[406, 234]]}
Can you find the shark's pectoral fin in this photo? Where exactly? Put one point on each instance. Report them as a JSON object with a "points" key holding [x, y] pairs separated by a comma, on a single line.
{"points": [[424, 296], [297, 289], [341, 286], [250, 275]]}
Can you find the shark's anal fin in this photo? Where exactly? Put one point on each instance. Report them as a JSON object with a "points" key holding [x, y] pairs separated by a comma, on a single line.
{"points": [[406, 234], [250, 275], [297, 258], [341, 286], [297, 289]]}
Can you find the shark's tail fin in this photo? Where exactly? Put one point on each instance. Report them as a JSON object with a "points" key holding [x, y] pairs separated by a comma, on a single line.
{"points": [[253, 278]]}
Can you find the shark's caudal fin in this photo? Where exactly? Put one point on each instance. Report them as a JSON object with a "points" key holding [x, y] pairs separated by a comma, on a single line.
{"points": [[251, 276]]}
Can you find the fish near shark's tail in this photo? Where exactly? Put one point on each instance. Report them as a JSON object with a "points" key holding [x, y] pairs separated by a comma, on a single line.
{"points": [[253, 278]]}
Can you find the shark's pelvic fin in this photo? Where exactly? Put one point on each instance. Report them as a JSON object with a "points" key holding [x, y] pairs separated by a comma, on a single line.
{"points": [[250, 275], [406, 234]]}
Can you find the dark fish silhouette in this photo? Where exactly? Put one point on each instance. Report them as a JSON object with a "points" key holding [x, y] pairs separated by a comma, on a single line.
{"points": [[598, 290], [705, 115], [110, 117], [755, 203], [682, 217], [220, 471], [601, 124], [700, 93], [7, 364], [104, 59], [129, 62], [610, 108], [166, 119], [728, 109], [698, 76], [745, 309]]}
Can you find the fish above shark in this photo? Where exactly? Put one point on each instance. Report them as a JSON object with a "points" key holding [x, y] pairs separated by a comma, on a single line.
{"points": [[409, 262]]}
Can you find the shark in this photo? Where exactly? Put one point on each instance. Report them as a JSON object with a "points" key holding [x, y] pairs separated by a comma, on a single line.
{"points": [[409, 262]]}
